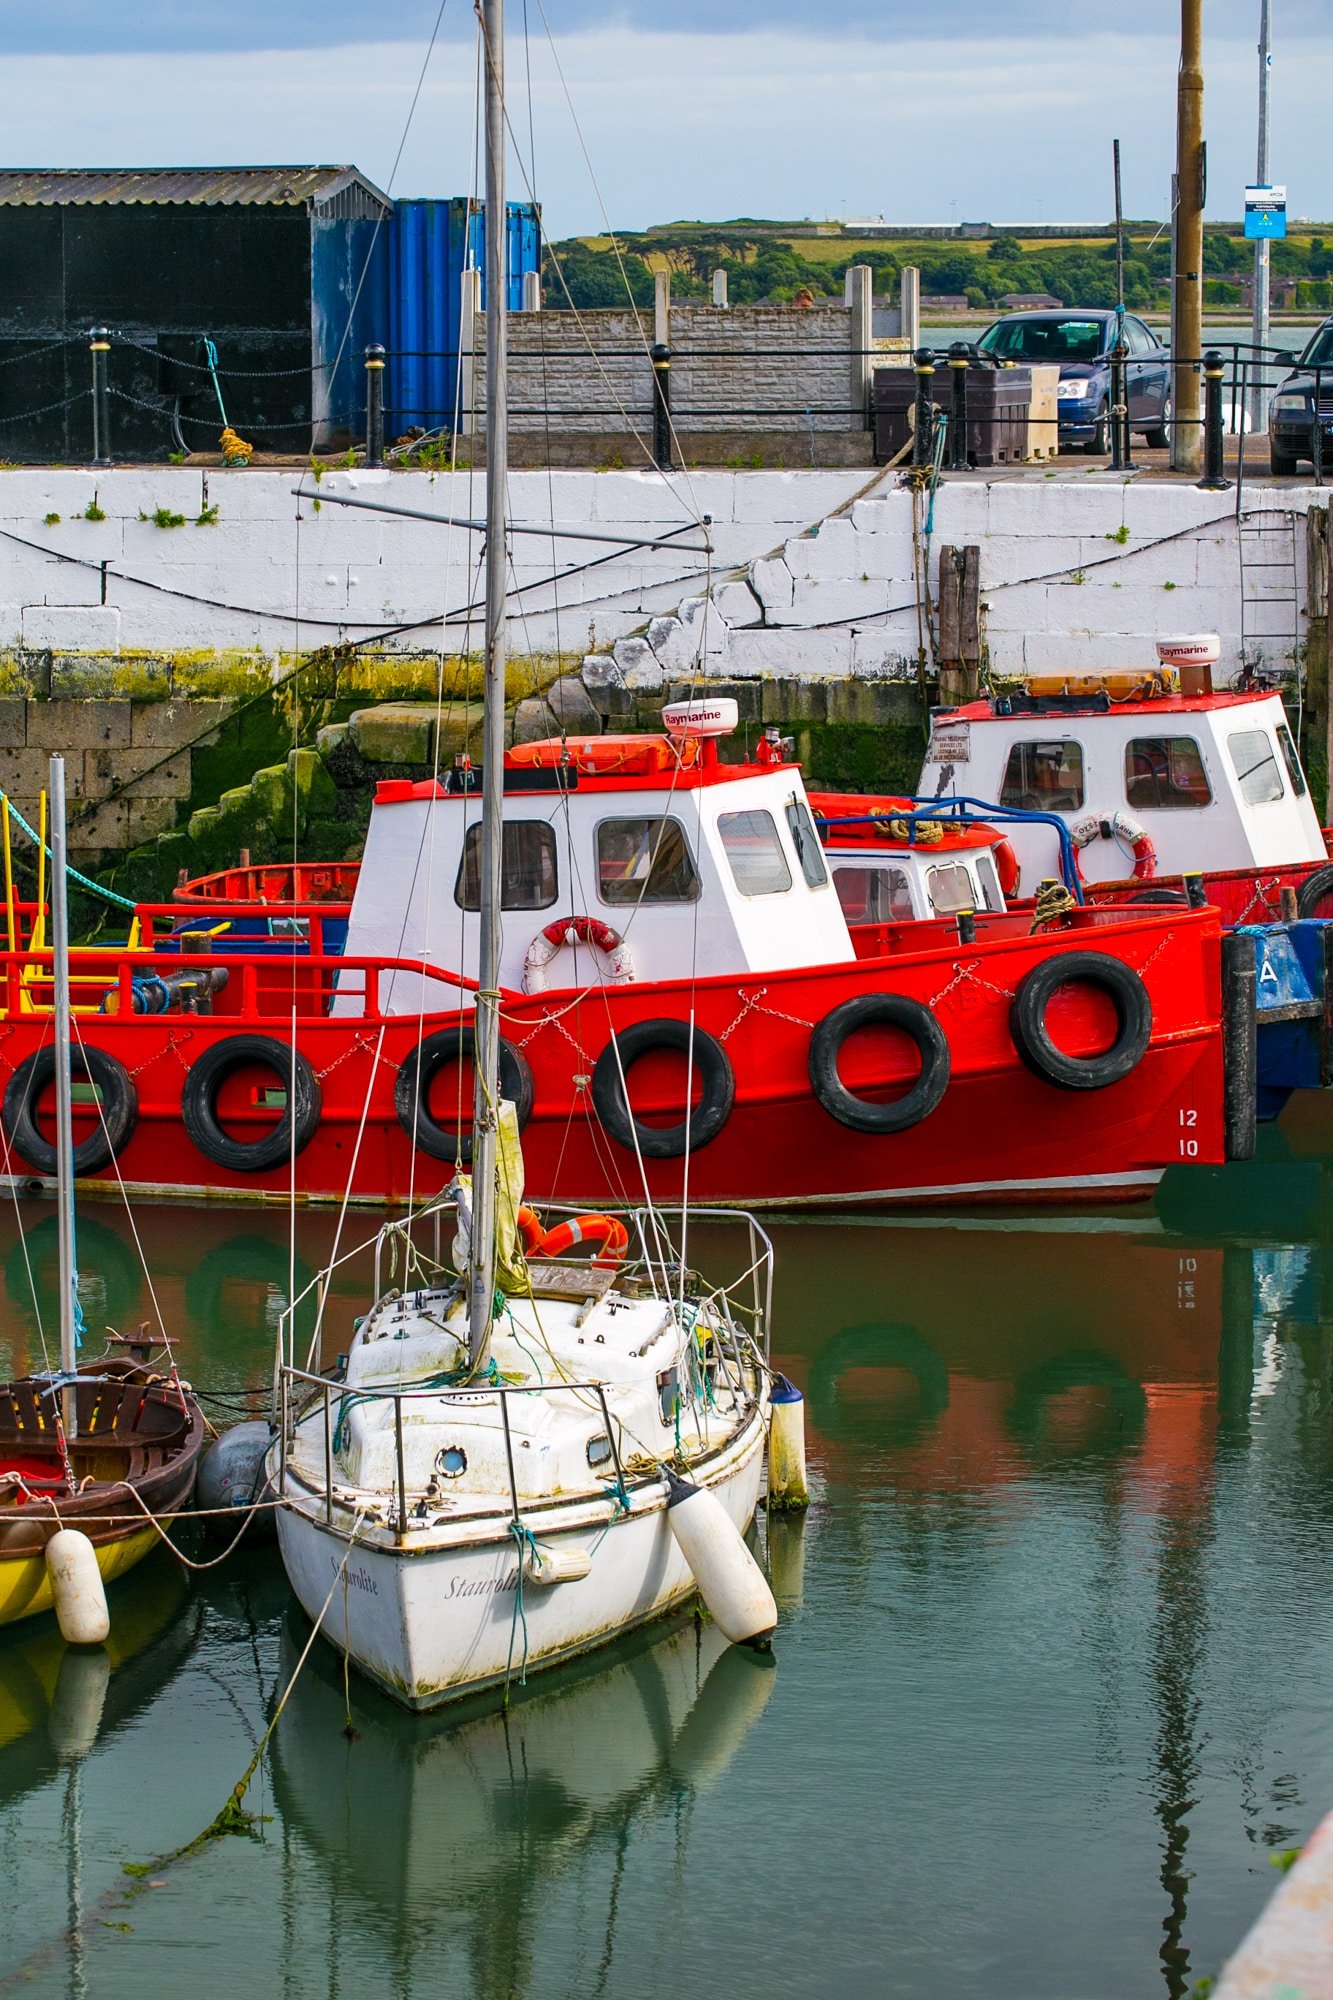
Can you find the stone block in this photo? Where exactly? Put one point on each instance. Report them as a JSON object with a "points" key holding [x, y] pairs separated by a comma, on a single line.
{"points": [[73, 628], [13, 724], [829, 603], [23, 773], [1044, 507], [773, 584], [331, 737], [570, 703], [79, 725], [239, 799], [461, 726], [397, 732], [645, 678], [92, 676], [169, 779], [781, 497], [736, 604], [747, 695], [145, 818], [533, 721], [668, 643], [167, 725], [272, 789], [600, 673], [315, 789], [636, 654]]}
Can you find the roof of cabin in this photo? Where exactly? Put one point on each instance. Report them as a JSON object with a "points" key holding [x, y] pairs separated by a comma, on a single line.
{"points": [[1068, 708]]}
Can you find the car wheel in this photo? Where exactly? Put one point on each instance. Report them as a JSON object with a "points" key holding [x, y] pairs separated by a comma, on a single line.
{"points": [[1159, 437], [1280, 463], [1099, 443]]}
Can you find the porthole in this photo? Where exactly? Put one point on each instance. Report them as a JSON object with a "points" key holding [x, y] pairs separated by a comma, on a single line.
{"points": [[599, 1452], [452, 1461]]}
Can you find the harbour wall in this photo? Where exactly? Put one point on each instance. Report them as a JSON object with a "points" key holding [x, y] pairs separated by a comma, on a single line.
{"points": [[143, 611]]}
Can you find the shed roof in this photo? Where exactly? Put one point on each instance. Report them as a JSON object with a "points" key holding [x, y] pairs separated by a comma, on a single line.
{"points": [[281, 187]]}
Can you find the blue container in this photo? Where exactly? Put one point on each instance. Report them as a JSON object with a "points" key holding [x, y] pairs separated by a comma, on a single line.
{"points": [[431, 244]]}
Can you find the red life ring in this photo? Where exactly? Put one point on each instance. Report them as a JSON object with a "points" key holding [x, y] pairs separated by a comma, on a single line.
{"points": [[1116, 826], [608, 1230], [1007, 868], [576, 930]]}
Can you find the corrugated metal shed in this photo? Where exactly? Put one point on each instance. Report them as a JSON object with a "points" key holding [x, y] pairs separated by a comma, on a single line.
{"points": [[267, 187]]}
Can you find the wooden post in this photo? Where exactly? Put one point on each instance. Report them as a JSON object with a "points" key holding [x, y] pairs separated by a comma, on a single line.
{"points": [[960, 622], [1318, 744], [661, 308]]}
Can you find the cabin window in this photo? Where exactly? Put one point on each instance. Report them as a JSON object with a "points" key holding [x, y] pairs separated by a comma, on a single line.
{"points": [[950, 889], [1163, 772], [528, 879], [754, 850], [1291, 760], [874, 895], [1043, 777], [987, 875], [1254, 760], [806, 842], [645, 861]]}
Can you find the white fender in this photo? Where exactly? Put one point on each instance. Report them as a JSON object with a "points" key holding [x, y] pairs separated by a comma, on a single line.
{"points": [[545, 1565], [76, 1586], [730, 1581]]}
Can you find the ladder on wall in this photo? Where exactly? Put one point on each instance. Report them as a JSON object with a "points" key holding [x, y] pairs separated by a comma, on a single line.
{"points": [[1270, 631]]}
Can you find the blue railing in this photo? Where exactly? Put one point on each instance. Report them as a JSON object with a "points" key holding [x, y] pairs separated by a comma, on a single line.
{"points": [[966, 812]]}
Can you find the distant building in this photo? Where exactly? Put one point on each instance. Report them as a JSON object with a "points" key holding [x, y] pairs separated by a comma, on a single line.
{"points": [[1031, 302], [944, 301]]}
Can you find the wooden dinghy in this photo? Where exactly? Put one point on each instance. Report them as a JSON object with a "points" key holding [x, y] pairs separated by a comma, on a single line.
{"points": [[134, 1452]]}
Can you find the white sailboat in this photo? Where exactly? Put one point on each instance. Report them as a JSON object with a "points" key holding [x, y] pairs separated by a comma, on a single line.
{"points": [[523, 1457]]}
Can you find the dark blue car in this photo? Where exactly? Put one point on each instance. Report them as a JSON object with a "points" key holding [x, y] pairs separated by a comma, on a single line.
{"points": [[1079, 344], [1292, 420]]}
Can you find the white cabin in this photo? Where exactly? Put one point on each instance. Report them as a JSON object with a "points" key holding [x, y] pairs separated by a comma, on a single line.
{"points": [[693, 866], [1213, 780]]}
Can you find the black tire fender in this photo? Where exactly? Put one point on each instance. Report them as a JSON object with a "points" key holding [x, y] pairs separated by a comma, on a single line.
{"points": [[663, 1142], [893, 1010], [1128, 994], [1313, 891], [199, 1100], [115, 1126], [411, 1090]]}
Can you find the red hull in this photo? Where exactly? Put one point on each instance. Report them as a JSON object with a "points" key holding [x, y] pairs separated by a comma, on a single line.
{"points": [[1001, 1132]]}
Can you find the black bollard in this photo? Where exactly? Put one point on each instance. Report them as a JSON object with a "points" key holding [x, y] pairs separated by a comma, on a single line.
{"points": [[967, 927], [374, 406], [661, 359], [99, 344], [923, 437], [1213, 480], [958, 411], [1195, 893]]}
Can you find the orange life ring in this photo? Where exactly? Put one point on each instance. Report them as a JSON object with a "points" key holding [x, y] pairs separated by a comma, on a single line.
{"points": [[1007, 868], [531, 1228], [608, 1230], [576, 930]]}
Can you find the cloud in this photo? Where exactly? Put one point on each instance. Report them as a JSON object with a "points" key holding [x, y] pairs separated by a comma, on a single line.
{"points": [[166, 26], [707, 125]]}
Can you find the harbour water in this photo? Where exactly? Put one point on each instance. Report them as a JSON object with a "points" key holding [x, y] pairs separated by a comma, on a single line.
{"points": [[1053, 1681]]}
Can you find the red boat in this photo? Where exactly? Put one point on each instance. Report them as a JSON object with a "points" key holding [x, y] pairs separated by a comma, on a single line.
{"points": [[1152, 783], [697, 1011]]}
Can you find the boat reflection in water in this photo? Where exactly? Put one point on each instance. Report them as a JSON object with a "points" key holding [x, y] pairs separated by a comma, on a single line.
{"points": [[444, 1834]]}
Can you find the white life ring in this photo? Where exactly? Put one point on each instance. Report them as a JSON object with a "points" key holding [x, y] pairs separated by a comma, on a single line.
{"points": [[619, 968], [1117, 826]]}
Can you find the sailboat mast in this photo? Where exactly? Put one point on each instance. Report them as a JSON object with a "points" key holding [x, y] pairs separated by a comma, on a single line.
{"points": [[481, 1268], [64, 1090]]}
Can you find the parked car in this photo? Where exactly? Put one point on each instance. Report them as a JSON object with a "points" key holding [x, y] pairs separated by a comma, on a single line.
{"points": [[1079, 344], [1291, 419]]}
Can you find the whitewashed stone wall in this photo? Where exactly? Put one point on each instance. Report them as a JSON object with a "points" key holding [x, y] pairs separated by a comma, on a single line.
{"points": [[811, 572]]}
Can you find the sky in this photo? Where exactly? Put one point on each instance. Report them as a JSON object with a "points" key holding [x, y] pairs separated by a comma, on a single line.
{"points": [[978, 110]]}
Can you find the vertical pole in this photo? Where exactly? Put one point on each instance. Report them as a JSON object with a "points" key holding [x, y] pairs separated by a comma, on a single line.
{"points": [[860, 296], [1259, 325], [1187, 267], [958, 410], [1214, 369], [1119, 406], [374, 406], [720, 298], [923, 437], [64, 1093], [660, 355], [532, 291], [469, 311], [485, 1107], [662, 308], [99, 345]]}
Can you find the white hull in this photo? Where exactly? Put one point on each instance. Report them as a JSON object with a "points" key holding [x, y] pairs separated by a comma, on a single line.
{"points": [[432, 1620]]}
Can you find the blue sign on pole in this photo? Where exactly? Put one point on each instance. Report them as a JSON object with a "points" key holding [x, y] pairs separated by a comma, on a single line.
{"points": [[1265, 211]]}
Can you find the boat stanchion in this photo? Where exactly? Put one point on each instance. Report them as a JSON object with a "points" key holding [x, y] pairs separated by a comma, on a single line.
{"points": [[788, 1492], [77, 1589], [730, 1581]]}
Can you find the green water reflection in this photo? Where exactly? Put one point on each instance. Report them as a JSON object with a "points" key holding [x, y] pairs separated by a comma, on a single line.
{"points": [[1054, 1675]]}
